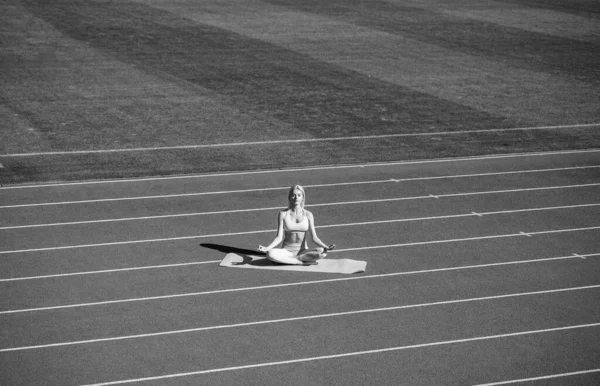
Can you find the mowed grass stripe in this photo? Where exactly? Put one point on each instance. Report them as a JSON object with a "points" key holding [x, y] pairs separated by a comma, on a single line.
{"points": [[586, 8], [534, 19], [519, 48], [310, 95], [477, 81]]}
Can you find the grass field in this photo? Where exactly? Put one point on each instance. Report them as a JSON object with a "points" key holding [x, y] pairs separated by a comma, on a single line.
{"points": [[80, 75]]}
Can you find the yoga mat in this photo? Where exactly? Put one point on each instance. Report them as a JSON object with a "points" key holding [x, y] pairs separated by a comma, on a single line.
{"points": [[346, 266]]}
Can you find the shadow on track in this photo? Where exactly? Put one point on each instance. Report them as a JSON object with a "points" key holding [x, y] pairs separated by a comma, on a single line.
{"points": [[229, 249], [246, 254]]}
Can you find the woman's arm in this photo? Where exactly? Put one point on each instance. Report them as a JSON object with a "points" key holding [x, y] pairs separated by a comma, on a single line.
{"points": [[279, 238], [313, 233]]}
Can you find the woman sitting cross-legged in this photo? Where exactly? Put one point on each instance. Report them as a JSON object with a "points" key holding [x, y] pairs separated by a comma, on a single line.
{"points": [[293, 225]]}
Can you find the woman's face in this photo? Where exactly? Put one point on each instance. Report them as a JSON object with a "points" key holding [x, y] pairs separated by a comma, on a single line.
{"points": [[296, 197]]}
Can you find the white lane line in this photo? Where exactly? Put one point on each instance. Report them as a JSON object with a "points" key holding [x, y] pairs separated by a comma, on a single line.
{"points": [[288, 170], [166, 239], [176, 265], [349, 354], [552, 376], [306, 186], [321, 226], [294, 319], [135, 198], [518, 190], [461, 215], [312, 205], [163, 266], [242, 289], [300, 140], [468, 239], [165, 216]]}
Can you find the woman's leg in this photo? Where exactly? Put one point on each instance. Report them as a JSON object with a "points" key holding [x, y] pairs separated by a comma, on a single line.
{"points": [[283, 256], [312, 255]]}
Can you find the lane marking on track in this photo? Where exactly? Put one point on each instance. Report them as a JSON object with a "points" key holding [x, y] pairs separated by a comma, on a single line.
{"points": [[242, 289], [176, 265], [163, 196], [319, 227], [309, 206], [350, 354], [523, 380], [163, 266], [469, 239], [299, 140], [294, 319], [312, 168]]}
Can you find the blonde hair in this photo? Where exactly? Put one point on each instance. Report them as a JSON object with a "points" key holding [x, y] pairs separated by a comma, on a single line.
{"points": [[300, 188]]}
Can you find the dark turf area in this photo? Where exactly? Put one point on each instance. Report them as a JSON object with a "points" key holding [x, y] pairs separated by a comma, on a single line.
{"points": [[98, 74], [532, 51]]}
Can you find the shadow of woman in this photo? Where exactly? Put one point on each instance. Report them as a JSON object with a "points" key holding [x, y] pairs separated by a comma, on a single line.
{"points": [[229, 249], [245, 254]]}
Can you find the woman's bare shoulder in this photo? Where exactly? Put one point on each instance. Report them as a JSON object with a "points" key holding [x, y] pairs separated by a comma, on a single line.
{"points": [[308, 213]]}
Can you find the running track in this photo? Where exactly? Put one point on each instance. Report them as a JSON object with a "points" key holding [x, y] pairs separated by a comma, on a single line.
{"points": [[480, 271]]}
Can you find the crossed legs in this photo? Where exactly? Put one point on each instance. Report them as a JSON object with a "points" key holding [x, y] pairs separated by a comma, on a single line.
{"points": [[304, 257]]}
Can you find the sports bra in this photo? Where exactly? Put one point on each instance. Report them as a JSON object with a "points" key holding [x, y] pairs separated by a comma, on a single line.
{"points": [[292, 226]]}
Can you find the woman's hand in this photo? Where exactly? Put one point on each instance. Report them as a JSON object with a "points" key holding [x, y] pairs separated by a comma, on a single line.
{"points": [[262, 248]]}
